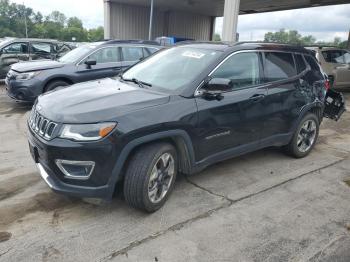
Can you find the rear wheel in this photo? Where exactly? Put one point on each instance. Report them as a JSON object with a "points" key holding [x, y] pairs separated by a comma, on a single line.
{"points": [[305, 137], [54, 84], [150, 176]]}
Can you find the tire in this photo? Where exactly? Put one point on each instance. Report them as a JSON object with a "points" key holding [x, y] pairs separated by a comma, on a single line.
{"points": [[54, 84], [138, 181], [299, 149]]}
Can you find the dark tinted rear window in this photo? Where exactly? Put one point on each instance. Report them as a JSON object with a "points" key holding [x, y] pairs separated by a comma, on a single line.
{"points": [[301, 66], [279, 66]]}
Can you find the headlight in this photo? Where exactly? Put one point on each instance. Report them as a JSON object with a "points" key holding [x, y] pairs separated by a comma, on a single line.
{"points": [[87, 132], [27, 76]]}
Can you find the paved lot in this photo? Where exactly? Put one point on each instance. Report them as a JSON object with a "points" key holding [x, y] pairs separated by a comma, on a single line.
{"points": [[263, 206]]}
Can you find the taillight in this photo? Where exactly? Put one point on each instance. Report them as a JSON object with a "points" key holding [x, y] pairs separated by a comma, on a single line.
{"points": [[327, 84]]}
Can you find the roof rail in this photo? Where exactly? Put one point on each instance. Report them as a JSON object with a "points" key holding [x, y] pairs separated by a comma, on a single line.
{"points": [[322, 46], [189, 42], [132, 41]]}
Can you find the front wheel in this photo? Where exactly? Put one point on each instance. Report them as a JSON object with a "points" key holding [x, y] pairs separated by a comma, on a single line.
{"points": [[150, 176], [305, 137]]}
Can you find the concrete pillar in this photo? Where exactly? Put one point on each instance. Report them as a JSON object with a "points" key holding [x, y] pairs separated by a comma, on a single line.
{"points": [[107, 21], [231, 12]]}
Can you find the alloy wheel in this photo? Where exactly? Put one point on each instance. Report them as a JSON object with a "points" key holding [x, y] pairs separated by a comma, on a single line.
{"points": [[306, 136], [161, 178]]}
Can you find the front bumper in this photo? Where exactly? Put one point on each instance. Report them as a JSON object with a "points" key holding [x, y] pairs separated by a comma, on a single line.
{"points": [[101, 184], [24, 91]]}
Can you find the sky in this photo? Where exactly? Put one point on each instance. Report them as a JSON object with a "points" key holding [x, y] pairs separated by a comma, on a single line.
{"points": [[324, 23]]}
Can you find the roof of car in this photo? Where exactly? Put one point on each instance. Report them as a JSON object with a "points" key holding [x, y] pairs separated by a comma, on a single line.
{"points": [[229, 46], [132, 41], [35, 39]]}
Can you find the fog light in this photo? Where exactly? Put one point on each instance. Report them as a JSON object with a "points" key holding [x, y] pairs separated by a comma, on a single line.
{"points": [[76, 169]]}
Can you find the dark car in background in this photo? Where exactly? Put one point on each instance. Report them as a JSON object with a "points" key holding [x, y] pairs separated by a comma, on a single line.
{"points": [[16, 50], [26, 81], [180, 110]]}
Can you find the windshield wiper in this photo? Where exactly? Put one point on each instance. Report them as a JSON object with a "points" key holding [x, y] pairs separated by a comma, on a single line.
{"points": [[136, 81]]}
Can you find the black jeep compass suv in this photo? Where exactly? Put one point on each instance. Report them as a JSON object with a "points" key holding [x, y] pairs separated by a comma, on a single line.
{"points": [[180, 110]]}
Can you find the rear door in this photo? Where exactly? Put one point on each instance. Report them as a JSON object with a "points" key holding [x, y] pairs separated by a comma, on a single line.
{"points": [[130, 55], [41, 50], [11, 54], [285, 96], [108, 64]]}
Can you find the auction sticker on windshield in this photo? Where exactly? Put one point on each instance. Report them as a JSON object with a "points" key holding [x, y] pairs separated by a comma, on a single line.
{"points": [[193, 54]]}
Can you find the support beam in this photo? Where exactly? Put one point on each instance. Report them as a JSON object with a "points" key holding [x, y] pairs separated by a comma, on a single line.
{"points": [[151, 21], [107, 20], [349, 41], [231, 12]]}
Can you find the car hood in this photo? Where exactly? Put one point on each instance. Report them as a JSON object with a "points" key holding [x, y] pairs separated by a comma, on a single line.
{"points": [[97, 101], [36, 65]]}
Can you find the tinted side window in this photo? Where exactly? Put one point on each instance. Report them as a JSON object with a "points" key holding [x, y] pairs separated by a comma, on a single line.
{"points": [[16, 48], [279, 66], [301, 66], [316, 72], [132, 53], [105, 55], [243, 69]]}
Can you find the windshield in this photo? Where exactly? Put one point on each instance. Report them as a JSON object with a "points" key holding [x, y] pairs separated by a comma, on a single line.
{"points": [[174, 68], [76, 54]]}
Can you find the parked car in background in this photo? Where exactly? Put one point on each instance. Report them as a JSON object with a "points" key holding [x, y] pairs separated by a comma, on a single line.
{"points": [[335, 63], [15, 50], [26, 81], [180, 110]]}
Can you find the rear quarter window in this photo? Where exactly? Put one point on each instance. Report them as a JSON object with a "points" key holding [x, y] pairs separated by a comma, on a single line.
{"points": [[300, 63], [279, 66], [316, 72]]}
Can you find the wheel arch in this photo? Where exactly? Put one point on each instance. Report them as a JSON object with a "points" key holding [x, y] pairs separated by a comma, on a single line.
{"points": [[58, 78], [316, 108], [178, 138]]}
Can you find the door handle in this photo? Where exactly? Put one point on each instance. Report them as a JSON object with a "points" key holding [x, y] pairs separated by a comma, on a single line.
{"points": [[257, 97]]}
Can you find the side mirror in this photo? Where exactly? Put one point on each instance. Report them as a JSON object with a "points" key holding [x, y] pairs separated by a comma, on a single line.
{"points": [[218, 85], [215, 87], [90, 62]]}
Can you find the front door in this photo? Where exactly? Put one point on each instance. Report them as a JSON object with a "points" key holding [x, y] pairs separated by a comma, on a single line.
{"points": [[107, 65], [236, 120], [11, 54]]}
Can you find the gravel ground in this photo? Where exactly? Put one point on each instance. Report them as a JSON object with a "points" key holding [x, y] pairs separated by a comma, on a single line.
{"points": [[263, 206]]}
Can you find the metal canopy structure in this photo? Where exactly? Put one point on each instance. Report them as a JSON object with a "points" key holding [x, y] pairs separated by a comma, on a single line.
{"points": [[212, 8], [216, 7]]}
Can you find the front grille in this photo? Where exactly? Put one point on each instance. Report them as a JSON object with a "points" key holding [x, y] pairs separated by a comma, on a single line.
{"points": [[41, 125]]}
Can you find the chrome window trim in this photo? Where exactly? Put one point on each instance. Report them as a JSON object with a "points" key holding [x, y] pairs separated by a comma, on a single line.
{"points": [[198, 93], [59, 163]]}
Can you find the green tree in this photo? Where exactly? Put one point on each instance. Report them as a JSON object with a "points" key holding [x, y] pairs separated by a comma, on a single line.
{"points": [[96, 34], [289, 37], [55, 26], [75, 22]]}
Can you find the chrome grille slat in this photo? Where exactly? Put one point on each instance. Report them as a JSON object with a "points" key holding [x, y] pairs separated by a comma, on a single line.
{"points": [[40, 125]]}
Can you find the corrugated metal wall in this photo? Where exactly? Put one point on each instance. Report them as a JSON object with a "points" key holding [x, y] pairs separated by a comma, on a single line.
{"points": [[132, 22], [190, 25]]}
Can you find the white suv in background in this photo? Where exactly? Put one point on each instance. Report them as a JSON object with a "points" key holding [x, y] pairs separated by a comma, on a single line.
{"points": [[335, 63]]}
